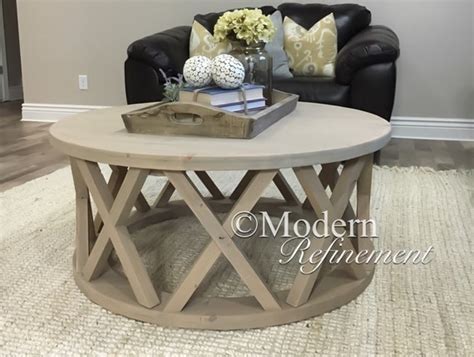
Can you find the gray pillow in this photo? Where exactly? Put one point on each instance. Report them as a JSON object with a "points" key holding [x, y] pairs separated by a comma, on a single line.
{"points": [[281, 69]]}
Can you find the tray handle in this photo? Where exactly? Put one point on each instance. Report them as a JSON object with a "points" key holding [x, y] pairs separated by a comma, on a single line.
{"points": [[183, 118], [194, 114]]}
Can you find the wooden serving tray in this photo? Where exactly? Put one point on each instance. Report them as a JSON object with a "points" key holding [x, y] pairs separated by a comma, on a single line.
{"points": [[190, 118]]}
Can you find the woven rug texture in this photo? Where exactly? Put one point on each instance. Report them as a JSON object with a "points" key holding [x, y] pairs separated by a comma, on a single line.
{"points": [[406, 310]]}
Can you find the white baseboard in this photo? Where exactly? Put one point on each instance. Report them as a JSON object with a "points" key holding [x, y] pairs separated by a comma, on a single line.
{"points": [[433, 128], [53, 112], [403, 127], [15, 92]]}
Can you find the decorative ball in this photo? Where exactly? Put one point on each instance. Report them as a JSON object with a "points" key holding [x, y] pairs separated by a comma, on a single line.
{"points": [[227, 71], [197, 71]]}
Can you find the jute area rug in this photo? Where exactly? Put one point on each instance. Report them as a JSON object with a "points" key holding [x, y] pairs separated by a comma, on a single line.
{"points": [[407, 309]]}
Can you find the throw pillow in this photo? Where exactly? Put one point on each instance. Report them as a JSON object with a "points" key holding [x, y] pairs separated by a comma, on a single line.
{"points": [[311, 52], [281, 69], [202, 43]]}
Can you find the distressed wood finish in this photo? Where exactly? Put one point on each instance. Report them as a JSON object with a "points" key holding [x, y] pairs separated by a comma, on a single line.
{"points": [[286, 190], [291, 142], [189, 118], [182, 308], [165, 195], [210, 185], [133, 158], [114, 214], [222, 236], [270, 307], [364, 187], [335, 206], [85, 232]]}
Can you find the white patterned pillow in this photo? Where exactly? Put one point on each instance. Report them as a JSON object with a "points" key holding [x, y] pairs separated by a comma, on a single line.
{"points": [[311, 52]]}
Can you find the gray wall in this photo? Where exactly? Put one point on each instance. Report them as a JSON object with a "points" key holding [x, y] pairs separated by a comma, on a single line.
{"points": [[62, 39], [12, 44]]}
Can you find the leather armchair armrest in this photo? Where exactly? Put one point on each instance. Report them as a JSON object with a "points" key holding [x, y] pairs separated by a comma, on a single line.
{"points": [[374, 45], [167, 50]]}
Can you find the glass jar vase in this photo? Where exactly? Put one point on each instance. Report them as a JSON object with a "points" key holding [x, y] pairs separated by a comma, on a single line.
{"points": [[258, 65]]}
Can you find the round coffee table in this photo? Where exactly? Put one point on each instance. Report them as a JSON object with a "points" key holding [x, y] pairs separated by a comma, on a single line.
{"points": [[339, 141]]}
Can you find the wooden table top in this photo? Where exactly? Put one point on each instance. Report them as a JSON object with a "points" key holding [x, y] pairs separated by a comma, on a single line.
{"points": [[312, 134]]}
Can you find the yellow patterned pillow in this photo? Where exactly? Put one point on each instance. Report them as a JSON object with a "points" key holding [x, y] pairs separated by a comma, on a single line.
{"points": [[311, 52], [202, 43]]}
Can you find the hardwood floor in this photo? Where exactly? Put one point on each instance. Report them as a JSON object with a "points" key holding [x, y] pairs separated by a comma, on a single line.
{"points": [[25, 152], [440, 155]]}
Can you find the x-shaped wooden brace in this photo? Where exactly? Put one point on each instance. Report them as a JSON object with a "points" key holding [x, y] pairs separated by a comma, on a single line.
{"points": [[115, 200], [115, 182], [221, 240], [337, 206], [280, 182], [329, 175], [168, 189], [114, 234]]}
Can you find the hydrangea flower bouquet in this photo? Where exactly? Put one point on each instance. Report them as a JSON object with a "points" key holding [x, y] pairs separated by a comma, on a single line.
{"points": [[246, 25]]}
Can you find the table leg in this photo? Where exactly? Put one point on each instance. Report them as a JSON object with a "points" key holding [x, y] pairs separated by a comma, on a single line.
{"points": [[364, 187], [335, 206], [85, 233], [222, 243], [114, 213], [133, 293]]}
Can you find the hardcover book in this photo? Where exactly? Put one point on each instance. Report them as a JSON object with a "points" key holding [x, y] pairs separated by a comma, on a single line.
{"points": [[217, 96], [240, 106]]}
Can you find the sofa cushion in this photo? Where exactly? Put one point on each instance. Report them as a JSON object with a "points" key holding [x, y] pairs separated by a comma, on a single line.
{"points": [[316, 89], [281, 67], [311, 52], [350, 18], [203, 43]]}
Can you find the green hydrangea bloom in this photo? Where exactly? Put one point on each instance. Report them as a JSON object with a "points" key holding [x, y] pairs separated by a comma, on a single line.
{"points": [[249, 25]]}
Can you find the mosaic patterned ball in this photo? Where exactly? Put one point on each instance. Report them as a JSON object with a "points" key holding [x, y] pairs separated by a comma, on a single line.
{"points": [[227, 71], [197, 71]]}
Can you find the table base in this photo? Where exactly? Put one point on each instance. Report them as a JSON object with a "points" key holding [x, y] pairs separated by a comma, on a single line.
{"points": [[133, 294]]}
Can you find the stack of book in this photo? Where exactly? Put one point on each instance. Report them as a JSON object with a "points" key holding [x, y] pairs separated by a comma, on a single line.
{"points": [[227, 99]]}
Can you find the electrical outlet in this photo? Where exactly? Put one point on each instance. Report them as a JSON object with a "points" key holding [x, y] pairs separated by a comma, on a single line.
{"points": [[83, 83]]}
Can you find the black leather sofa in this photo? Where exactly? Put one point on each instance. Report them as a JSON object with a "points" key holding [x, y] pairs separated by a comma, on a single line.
{"points": [[365, 67]]}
